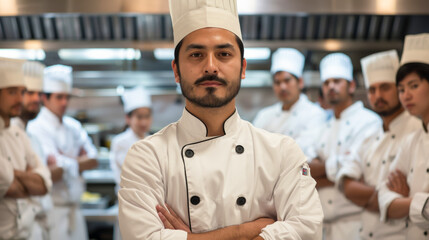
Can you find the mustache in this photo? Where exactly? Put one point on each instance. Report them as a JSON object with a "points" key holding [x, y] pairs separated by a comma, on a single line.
{"points": [[210, 78], [380, 101]]}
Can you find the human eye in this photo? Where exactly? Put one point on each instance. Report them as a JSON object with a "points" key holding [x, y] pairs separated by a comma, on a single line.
{"points": [[400, 89], [195, 54]]}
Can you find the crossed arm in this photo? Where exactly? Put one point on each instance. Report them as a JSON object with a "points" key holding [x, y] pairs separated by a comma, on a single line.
{"points": [[25, 184], [245, 231], [318, 172], [400, 207], [361, 194]]}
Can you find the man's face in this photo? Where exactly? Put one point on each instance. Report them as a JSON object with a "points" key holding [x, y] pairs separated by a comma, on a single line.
{"points": [[286, 87], [57, 103], [383, 98], [337, 90], [210, 67], [11, 101], [414, 95], [31, 105]]}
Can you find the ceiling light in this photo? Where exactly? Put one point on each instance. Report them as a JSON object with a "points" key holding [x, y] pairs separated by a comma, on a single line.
{"points": [[164, 53], [257, 53], [27, 54], [100, 54]]}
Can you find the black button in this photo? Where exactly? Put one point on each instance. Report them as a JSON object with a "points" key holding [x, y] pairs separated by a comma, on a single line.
{"points": [[329, 201], [411, 170], [427, 170], [348, 123], [377, 138], [339, 143], [370, 234], [241, 201], [425, 233], [406, 224], [189, 153], [239, 149], [393, 136], [383, 162], [368, 164], [360, 229], [8, 158], [195, 200], [323, 145], [17, 134]]}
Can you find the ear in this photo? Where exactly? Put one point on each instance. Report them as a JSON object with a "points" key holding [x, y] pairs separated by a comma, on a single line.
{"points": [[300, 83], [243, 72], [176, 71], [127, 119], [352, 86]]}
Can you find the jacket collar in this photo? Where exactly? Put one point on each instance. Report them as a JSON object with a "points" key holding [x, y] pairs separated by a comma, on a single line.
{"points": [[50, 117], [399, 122], [192, 129], [298, 105], [425, 128], [17, 121], [351, 110], [2, 124]]}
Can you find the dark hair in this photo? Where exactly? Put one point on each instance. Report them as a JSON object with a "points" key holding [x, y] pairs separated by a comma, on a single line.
{"points": [[179, 45], [421, 69], [48, 95]]}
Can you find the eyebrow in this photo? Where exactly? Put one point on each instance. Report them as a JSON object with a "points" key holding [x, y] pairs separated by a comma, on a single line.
{"points": [[220, 46]]}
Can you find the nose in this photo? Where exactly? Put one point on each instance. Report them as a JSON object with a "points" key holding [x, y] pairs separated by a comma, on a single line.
{"points": [[211, 66]]}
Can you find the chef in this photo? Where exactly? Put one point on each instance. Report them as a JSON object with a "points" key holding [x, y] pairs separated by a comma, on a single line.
{"points": [[33, 76], [365, 170], [351, 124], [73, 151], [22, 174], [212, 175], [406, 192], [294, 114], [137, 107]]}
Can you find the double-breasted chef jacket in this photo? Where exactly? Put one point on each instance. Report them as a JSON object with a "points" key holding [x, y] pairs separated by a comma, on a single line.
{"points": [[17, 216], [412, 160], [302, 117], [214, 182], [65, 140], [371, 162]]}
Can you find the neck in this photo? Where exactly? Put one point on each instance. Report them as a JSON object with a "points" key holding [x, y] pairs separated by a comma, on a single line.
{"points": [[287, 106], [388, 119], [426, 119], [24, 121], [340, 107], [213, 118], [6, 120]]}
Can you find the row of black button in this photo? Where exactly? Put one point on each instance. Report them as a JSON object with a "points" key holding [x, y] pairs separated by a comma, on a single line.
{"points": [[238, 149], [195, 200]]}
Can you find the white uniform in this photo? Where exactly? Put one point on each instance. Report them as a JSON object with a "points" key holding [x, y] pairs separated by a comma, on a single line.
{"points": [[46, 204], [214, 182], [121, 143], [412, 160], [18, 215], [65, 141], [372, 162], [339, 138], [301, 118]]}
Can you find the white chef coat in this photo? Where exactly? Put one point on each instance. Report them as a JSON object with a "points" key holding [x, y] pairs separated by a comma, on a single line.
{"points": [[338, 138], [121, 143], [412, 160], [18, 215], [302, 117], [214, 182], [372, 162], [64, 140]]}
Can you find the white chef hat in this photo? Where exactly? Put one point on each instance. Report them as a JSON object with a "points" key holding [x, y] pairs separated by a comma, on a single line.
{"points": [[33, 75], [288, 60], [11, 74], [136, 98], [336, 65], [416, 49], [190, 15], [380, 67], [58, 79]]}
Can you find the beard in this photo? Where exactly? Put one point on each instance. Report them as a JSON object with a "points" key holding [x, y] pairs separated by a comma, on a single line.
{"points": [[210, 100], [27, 115], [389, 111]]}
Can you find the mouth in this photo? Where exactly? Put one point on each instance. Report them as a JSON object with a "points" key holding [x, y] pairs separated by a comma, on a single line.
{"points": [[410, 105], [210, 83]]}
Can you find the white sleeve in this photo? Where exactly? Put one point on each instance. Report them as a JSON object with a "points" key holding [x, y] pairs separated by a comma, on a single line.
{"points": [[117, 158], [142, 188], [6, 176], [86, 142], [299, 211], [351, 168], [419, 210], [385, 196]]}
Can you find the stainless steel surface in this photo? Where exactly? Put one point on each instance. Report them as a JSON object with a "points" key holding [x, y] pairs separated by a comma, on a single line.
{"points": [[28, 7]]}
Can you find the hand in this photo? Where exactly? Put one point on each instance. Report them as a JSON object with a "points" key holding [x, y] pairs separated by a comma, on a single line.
{"points": [[82, 152], [397, 182], [170, 219], [372, 204], [251, 230], [52, 161]]}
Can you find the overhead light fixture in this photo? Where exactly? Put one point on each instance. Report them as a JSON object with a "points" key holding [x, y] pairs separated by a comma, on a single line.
{"points": [[100, 54], [27, 54], [249, 53]]}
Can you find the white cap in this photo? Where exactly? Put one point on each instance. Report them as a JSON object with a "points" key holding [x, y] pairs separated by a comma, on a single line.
{"points": [[33, 75], [136, 98], [416, 49], [336, 65], [380, 67], [190, 15], [289, 60], [11, 73], [58, 79]]}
